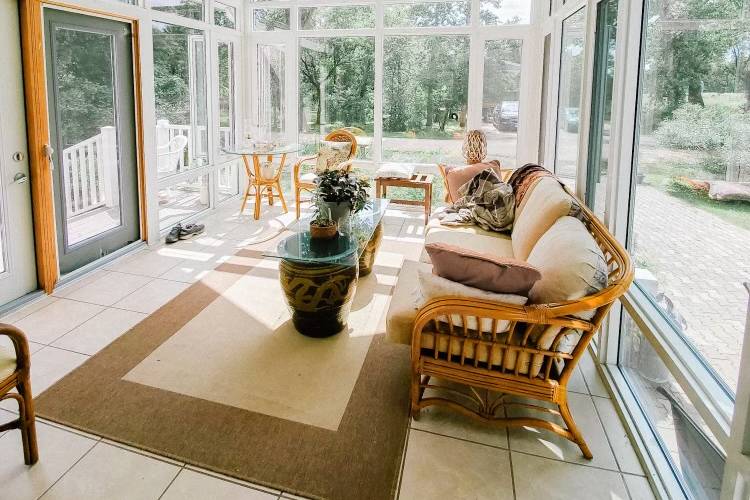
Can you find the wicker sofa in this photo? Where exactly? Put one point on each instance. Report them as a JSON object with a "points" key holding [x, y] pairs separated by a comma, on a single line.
{"points": [[497, 351]]}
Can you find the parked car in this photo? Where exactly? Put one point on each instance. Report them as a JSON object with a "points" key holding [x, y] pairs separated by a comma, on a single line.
{"points": [[505, 116], [570, 117]]}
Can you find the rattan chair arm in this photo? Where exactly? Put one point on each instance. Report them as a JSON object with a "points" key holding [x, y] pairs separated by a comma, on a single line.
{"points": [[346, 165], [298, 166], [20, 344]]}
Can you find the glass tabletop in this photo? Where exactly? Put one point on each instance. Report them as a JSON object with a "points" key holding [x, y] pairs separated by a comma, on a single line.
{"points": [[264, 149], [344, 249]]}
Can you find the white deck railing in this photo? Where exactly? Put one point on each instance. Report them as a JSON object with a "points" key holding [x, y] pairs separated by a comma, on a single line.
{"points": [[90, 173], [90, 168]]}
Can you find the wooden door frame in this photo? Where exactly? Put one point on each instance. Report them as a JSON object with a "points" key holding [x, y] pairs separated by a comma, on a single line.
{"points": [[37, 127]]}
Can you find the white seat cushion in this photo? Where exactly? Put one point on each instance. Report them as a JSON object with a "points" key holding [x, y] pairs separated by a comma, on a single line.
{"points": [[472, 237], [395, 170], [7, 358], [546, 203], [309, 177], [416, 285]]}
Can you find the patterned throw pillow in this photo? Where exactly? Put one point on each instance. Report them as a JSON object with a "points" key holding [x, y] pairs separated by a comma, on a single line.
{"points": [[331, 155]]}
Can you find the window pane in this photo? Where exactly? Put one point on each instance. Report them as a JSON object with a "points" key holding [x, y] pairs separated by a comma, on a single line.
{"points": [[545, 96], [683, 435], [427, 14], [182, 200], [271, 89], [601, 113], [187, 8], [494, 12], [270, 19], [181, 101], [227, 182], [569, 100], [331, 18], [227, 121], [501, 99], [425, 89], [690, 241], [337, 84], [225, 15]]}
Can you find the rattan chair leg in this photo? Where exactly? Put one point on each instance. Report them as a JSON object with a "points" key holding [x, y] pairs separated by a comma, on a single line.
{"points": [[297, 201], [573, 428], [244, 199], [416, 395], [281, 197]]}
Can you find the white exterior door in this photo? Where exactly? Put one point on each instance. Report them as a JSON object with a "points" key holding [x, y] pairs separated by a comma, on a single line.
{"points": [[17, 258]]}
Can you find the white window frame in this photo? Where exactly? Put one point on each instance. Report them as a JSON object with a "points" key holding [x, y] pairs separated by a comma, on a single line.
{"points": [[528, 133]]}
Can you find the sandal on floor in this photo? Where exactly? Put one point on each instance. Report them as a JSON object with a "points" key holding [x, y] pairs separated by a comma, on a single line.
{"points": [[190, 230], [174, 234]]}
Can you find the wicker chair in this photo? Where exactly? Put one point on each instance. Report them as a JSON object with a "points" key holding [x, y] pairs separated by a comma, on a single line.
{"points": [[508, 378], [14, 374], [301, 184]]}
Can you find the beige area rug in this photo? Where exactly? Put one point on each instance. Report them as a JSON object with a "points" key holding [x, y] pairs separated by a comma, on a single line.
{"points": [[219, 378]]}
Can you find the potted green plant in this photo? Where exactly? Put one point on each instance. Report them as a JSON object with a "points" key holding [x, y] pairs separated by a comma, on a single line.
{"points": [[342, 193], [322, 227]]}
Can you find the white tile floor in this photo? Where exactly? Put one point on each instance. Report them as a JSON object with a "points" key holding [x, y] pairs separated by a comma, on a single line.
{"points": [[447, 456]]}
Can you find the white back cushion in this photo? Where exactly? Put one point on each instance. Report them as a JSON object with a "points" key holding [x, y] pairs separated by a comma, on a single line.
{"points": [[571, 263], [546, 203]]}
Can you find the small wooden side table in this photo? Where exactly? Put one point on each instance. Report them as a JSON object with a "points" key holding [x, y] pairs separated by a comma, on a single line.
{"points": [[417, 181]]}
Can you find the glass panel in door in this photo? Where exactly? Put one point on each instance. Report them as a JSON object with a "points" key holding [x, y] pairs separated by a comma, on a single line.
{"points": [[87, 132], [92, 130], [501, 102]]}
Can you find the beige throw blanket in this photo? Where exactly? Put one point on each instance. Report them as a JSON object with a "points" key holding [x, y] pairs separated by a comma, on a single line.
{"points": [[485, 201]]}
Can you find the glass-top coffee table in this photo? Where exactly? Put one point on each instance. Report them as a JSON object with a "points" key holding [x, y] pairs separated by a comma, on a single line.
{"points": [[319, 277]]}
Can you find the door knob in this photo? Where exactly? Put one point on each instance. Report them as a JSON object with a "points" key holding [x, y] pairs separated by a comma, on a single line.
{"points": [[48, 152], [20, 178]]}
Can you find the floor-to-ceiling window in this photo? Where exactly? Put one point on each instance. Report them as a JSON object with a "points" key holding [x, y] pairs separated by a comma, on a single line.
{"points": [[195, 102], [682, 94], [689, 238], [570, 90]]}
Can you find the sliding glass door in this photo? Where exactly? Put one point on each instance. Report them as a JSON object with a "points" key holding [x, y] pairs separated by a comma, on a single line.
{"points": [[601, 109]]}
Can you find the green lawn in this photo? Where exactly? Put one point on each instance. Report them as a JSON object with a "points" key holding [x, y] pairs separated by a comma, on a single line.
{"points": [[734, 212], [661, 177]]}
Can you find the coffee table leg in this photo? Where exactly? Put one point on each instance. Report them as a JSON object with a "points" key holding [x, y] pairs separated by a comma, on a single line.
{"points": [[319, 296], [367, 259]]}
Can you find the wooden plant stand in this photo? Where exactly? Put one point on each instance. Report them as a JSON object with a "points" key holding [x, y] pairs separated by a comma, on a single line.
{"points": [[417, 181]]}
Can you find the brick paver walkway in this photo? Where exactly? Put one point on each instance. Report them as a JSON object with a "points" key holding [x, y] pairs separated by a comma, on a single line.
{"points": [[701, 262]]}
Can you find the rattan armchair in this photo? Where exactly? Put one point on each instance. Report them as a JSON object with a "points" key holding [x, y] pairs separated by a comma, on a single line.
{"points": [[18, 378], [507, 335], [300, 184]]}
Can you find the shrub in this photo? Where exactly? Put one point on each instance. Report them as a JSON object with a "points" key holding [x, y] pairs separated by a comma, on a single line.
{"points": [[697, 127]]}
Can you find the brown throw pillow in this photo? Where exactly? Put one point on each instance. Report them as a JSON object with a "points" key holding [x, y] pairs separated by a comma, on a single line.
{"points": [[481, 270], [457, 175]]}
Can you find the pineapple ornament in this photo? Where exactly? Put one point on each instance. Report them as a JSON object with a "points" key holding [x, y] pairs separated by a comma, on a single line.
{"points": [[475, 147]]}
